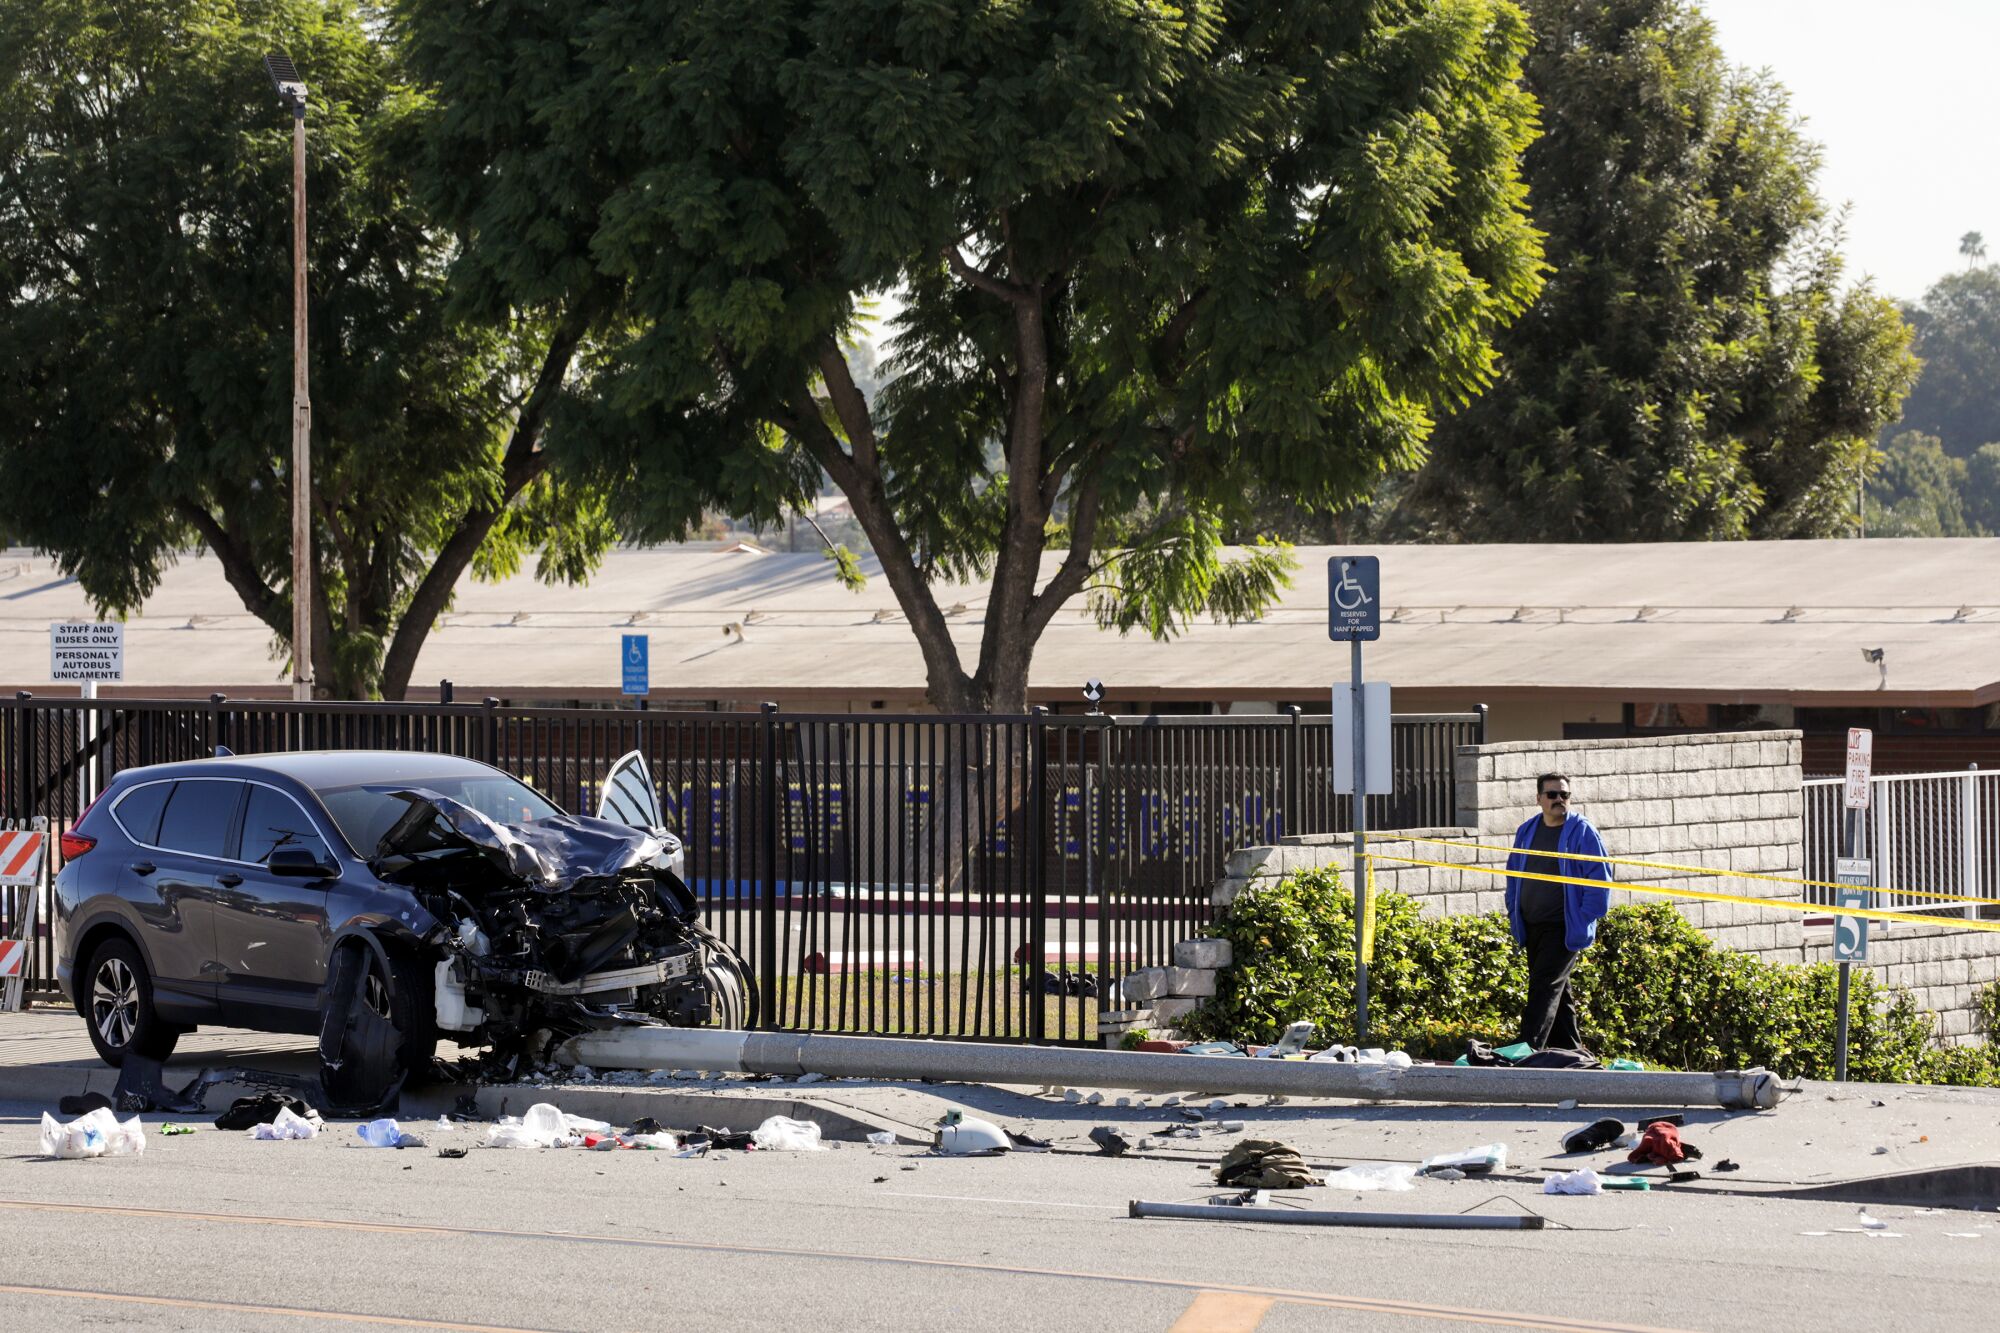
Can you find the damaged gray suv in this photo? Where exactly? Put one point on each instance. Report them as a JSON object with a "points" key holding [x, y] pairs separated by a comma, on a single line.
{"points": [[379, 899]]}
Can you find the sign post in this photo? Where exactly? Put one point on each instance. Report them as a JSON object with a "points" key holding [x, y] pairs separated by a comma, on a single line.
{"points": [[632, 659], [1850, 934], [85, 653], [1354, 613]]}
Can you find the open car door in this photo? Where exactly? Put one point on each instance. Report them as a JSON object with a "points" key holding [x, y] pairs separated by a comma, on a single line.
{"points": [[628, 795]]}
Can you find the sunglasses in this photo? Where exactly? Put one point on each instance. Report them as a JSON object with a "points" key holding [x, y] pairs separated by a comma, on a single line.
{"points": [[1555, 796]]}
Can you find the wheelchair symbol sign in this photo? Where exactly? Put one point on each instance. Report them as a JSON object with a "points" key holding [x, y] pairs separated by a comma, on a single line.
{"points": [[1353, 597], [632, 657]]}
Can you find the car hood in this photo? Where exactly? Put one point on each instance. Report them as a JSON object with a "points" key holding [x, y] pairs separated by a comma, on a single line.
{"points": [[550, 854]]}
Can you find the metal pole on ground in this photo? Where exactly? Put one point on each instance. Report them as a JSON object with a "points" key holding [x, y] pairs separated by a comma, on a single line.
{"points": [[791, 1054], [1849, 827]]}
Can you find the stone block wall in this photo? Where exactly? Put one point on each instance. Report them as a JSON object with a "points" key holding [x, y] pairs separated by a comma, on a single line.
{"points": [[1730, 802]]}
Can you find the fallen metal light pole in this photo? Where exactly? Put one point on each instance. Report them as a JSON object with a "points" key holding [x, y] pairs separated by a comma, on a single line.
{"points": [[793, 1053], [1320, 1217]]}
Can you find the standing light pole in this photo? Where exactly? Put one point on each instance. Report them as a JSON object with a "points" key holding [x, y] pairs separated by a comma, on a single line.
{"points": [[292, 94]]}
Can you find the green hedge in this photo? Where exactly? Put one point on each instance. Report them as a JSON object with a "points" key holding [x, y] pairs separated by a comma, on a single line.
{"points": [[1653, 988]]}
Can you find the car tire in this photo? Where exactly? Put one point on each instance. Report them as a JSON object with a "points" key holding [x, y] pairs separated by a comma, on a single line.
{"points": [[732, 996], [116, 1001], [402, 997]]}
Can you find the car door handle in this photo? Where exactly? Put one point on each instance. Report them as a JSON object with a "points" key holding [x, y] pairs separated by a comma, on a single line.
{"points": [[143, 867], [229, 881]]}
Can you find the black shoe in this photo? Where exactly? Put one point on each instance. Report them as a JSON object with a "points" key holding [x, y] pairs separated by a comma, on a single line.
{"points": [[1594, 1137]]}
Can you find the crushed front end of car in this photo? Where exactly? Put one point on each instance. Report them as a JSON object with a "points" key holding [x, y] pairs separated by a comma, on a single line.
{"points": [[549, 929]]}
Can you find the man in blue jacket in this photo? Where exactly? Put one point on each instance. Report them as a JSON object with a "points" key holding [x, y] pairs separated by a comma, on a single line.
{"points": [[1554, 922]]}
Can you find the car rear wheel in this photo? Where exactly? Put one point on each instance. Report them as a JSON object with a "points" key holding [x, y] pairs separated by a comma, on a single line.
{"points": [[116, 1001]]}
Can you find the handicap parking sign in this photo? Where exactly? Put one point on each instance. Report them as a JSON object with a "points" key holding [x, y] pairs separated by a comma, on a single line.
{"points": [[632, 657]]}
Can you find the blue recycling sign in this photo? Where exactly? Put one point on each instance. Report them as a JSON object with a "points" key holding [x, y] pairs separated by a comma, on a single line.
{"points": [[1353, 598], [632, 653]]}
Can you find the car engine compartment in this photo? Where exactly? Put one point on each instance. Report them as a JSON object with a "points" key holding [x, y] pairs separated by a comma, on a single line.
{"points": [[547, 930]]}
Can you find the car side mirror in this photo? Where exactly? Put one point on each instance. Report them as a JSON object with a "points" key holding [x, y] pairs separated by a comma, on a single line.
{"points": [[299, 863]]}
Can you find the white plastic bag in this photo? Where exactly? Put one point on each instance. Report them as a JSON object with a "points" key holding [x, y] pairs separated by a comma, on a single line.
{"points": [[1375, 1176], [1473, 1161], [782, 1134], [95, 1134], [1573, 1182], [661, 1142], [287, 1124], [544, 1126]]}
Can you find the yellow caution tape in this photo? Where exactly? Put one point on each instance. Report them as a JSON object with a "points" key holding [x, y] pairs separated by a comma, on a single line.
{"points": [[1873, 913], [1368, 919], [1701, 870]]}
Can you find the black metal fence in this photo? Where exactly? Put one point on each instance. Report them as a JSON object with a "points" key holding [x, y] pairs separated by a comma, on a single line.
{"points": [[944, 876]]}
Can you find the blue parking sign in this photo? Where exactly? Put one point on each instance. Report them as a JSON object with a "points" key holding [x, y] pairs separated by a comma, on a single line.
{"points": [[1353, 593], [632, 658]]}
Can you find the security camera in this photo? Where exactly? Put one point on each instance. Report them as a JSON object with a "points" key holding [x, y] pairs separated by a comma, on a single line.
{"points": [[1871, 654]]}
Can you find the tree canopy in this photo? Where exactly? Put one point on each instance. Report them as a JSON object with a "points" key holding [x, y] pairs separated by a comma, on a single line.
{"points": [[145, 330], [1693, 368], [1145, 256], [1958, 336]]}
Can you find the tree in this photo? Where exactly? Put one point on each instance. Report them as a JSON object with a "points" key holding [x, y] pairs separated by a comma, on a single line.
{"points": [[1981, 490], [1917, 491], [145, 330], [1146, 256], [1972, 245], [1692, 369], [1958, 336]]}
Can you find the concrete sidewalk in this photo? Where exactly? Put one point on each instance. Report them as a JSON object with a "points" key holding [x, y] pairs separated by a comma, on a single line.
{"points": [[1889, 1143]]}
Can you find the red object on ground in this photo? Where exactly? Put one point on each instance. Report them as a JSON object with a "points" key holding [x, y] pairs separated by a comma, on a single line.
{"points": [[1165, 1047], [1660, 1145]]}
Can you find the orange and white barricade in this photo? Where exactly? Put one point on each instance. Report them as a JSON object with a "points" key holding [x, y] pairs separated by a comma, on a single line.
{"points": [[23, 868]]}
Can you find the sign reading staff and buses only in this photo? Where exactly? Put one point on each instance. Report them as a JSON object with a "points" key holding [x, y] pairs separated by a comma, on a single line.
{"points": [[86, 651]]}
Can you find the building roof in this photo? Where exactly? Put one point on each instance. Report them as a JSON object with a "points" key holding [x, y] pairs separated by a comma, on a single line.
{"points": [[1715, 622]]}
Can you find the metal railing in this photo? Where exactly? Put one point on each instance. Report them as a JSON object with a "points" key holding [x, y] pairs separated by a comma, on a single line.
{"points": [[1927, 834], [917, 874]]}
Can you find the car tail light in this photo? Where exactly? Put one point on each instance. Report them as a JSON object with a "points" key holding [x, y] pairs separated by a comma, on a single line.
{"points": [[74, 844]]}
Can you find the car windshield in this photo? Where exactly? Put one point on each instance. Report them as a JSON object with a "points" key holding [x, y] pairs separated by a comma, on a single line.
{"points": [[366, 811]]}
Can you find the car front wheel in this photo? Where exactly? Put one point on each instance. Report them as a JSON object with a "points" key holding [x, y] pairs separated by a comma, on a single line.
{"points": [[117, 1007]]}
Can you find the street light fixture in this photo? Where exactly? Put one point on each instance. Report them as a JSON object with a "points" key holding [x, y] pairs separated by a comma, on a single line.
{"points": [[291, 91]]}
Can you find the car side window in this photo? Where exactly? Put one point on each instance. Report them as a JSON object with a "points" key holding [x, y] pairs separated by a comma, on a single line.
{"points": [[198, 817], [273, 820], [138, 811]]}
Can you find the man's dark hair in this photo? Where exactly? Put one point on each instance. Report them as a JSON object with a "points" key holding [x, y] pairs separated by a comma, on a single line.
{"points": [[1542, 782]]}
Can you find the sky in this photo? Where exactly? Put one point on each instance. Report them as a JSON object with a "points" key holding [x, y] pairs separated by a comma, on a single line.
{"points": [[1904, 97]]}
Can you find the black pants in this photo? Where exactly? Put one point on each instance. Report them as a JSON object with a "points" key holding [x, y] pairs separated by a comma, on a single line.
{"points": [[1550, 1017]]}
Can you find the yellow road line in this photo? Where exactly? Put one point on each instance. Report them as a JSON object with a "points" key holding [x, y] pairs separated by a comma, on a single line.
{"points": [[1222, 1312], [1702, 895], [1319, 1299], [243, 1307]]}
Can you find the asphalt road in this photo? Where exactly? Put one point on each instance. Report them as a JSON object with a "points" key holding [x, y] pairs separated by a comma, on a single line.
{"points": [[216, 1232]]}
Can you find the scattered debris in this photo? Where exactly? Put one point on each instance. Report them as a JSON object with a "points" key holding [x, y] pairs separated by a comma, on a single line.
{"points": [[1112, 1142], [1445, 1173], [453, 1152], [1393, 1176], [1573, 1182], [1264, 1164], [169, 1130], [1317, 1217], [1728, 1164], [1639, 1183], [1594, 1137], [1566, 1104], [1072, 1096], [1027, 1142], [250, 1112], [1869, 1223], [1291, 1042], [961, 1135], [385, 1133], [881, 1138], [1480, 1161], [97, 1133], [810, 1077], [1660, 1145], [1094, 1099], [289, 1124], [783, 1134]]}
